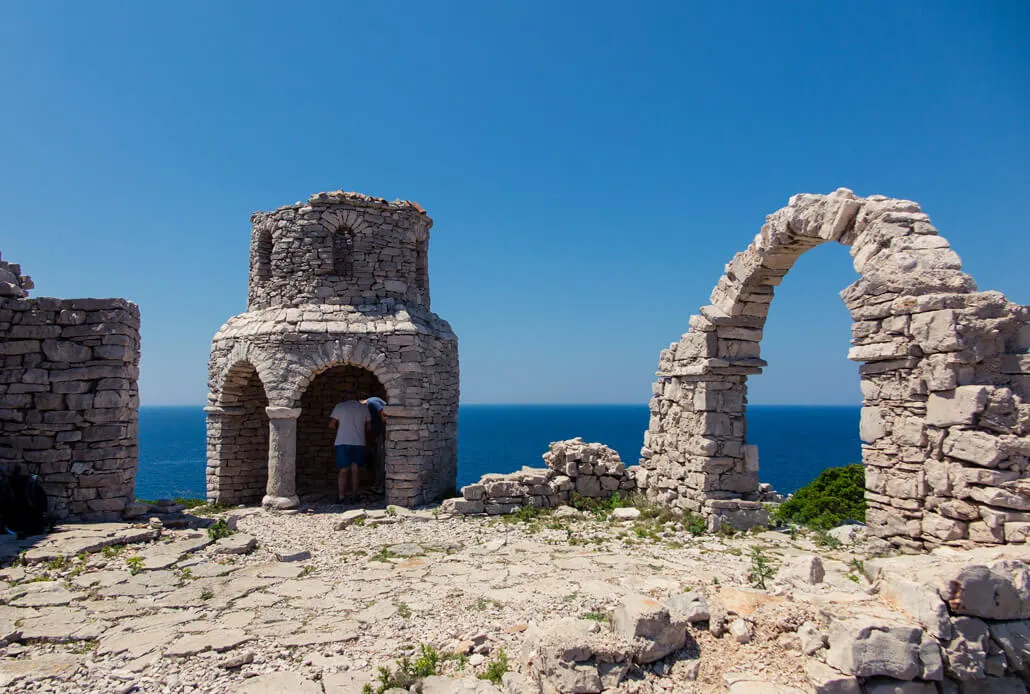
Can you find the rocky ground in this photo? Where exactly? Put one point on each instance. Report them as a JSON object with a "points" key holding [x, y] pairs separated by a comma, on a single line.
{"points": [[318, 600]]}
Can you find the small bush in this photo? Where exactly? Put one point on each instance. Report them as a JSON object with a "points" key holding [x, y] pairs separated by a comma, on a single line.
{"points": [[835, 496], [761, 568], [426, 663], [825, 539], [495, 669], [218, 530], [595, 616], [135, 565]]}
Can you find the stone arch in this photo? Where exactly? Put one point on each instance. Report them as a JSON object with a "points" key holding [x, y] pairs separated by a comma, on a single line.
{"points": [[921, 330], [238, 436], [344, 352], [242, 353], [316, 465]]}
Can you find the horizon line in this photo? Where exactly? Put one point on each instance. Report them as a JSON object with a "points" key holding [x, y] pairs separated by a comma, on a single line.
{"points": [[586, 404]]}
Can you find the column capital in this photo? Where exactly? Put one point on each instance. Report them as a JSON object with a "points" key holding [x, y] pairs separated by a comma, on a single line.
{"points": [[275, 412]]}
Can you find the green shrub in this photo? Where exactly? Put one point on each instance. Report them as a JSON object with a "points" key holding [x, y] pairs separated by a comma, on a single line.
{"points": [[835, 496], [218, 530], [495, 669]]}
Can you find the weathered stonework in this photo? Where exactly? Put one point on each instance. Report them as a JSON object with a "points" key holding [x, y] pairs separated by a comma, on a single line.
{"points": [[590, 470], [944, 372], [338, 305], [68, 397]]}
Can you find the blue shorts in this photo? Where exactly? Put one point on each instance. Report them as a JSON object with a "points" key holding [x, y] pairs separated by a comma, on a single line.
{"points": [[350, 455]]}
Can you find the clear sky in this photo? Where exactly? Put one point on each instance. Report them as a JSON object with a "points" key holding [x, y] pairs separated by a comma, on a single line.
{"points": [[590, 167]]}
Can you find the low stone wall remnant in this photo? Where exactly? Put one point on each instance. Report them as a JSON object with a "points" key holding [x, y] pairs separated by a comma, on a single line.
{"points": [[69, 398], [591, 470]]}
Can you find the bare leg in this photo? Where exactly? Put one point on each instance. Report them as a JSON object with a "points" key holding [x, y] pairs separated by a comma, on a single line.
{"points": [[341, 483], [354, 471]]}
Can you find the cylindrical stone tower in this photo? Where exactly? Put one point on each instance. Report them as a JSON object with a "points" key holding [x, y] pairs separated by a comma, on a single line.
{"points": [[338, 307]]}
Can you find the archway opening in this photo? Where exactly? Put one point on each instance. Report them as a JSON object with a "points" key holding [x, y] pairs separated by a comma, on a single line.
{"points": [[243, 472], [263, 256], [316, 454], [809, 391]]}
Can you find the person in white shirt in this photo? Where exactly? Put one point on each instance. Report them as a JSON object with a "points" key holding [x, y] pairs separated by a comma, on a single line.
{"points": [[353, 425]]}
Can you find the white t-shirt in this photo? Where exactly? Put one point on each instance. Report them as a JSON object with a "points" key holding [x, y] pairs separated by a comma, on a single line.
{"points": [[352, 417]]}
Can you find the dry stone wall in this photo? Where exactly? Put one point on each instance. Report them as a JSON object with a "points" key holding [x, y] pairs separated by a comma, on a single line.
{"points": [[340, 248], [590, 470], [944, 373], [69, 398], [339, 280]]}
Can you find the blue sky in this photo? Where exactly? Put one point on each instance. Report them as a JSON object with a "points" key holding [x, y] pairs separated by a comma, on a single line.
{"points": [[590, 166]]}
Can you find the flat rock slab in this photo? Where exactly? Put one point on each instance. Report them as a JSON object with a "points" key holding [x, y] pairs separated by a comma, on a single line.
{"points": [[315, 638], [406, 549], [277, 683], [240, 543], [135, 643], [44, 667], [451, 685], [218, 640], [163, 556], [143, 584], [47, 598], [287, 555], [746, 683], [271, 570], [71, 543], [61, 624], [344, 682]]}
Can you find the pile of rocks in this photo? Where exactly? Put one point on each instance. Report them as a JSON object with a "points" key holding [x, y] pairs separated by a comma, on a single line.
{"points": [[12, 283], [578, 655], [968, 627], [590, 470]]}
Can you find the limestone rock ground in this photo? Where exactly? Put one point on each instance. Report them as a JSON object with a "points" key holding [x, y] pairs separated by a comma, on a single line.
{"points": [[186, 618]]}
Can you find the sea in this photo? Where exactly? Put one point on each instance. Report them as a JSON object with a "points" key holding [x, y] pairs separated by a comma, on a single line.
{"points": [[795, 442]]}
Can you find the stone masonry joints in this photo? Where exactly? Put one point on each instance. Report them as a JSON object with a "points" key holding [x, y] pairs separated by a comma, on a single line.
{"points": [[944, 372], [338, 306]]}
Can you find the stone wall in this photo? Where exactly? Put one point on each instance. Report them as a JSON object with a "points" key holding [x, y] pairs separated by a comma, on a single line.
{"points": [[69, 397], [590, 470], [341, 280], [944, 373], [340, 248]]}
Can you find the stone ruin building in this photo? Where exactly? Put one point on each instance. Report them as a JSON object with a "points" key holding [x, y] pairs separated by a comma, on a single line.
{"points": [[945, 379], [69, 398], [338, 305]]}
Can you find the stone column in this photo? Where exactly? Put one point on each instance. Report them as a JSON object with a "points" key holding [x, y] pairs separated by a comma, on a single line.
{"points": [[282, 458], [218, 417]]}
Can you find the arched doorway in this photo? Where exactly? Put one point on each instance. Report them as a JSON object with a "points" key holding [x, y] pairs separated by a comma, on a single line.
{"points": [[316, 461], [239, 433]]}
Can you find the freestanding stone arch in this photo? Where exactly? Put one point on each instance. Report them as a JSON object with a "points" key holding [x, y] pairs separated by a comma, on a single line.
{"points": [[944, 373]]}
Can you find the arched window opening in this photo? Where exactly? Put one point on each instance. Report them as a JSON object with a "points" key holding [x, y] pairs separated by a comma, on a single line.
{"points": [[343, 251], [263, 256], [422, 270], [316, 454]]}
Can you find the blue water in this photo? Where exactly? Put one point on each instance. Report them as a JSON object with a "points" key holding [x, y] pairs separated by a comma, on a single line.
{"points": [[794, 442]]}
